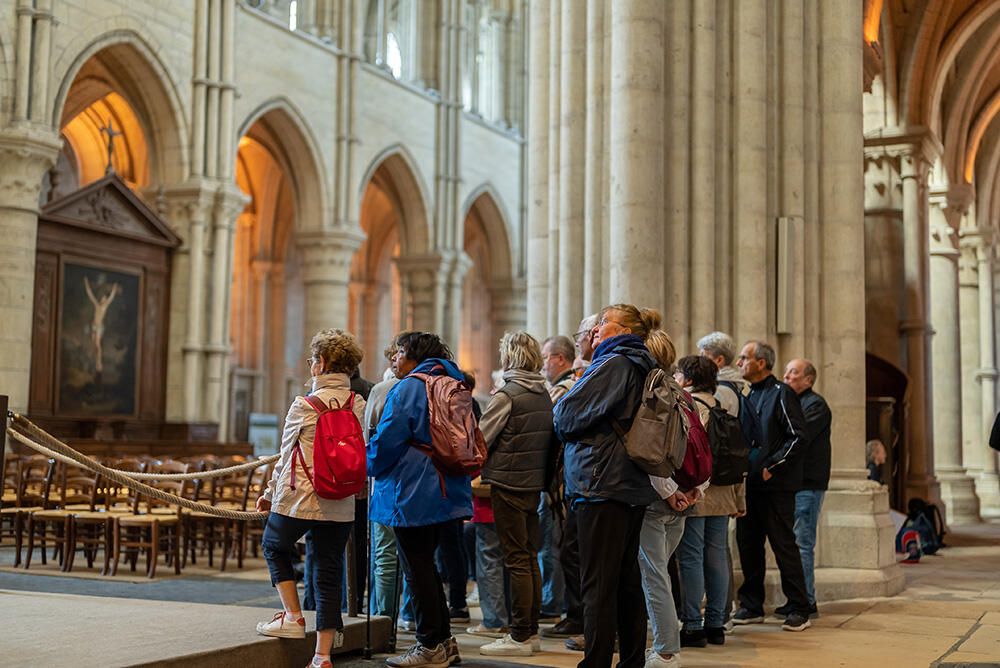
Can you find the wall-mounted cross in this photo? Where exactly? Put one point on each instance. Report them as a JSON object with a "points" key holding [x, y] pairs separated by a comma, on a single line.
{"points": [[110, 131]]}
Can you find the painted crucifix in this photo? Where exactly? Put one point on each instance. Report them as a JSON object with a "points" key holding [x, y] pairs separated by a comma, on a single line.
{"points": [[97, 327], [112, 133]]}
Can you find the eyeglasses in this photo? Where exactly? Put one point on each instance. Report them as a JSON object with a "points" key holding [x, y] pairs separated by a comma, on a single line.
{"points": [[312, 360], [577, 336], [605, 321]]}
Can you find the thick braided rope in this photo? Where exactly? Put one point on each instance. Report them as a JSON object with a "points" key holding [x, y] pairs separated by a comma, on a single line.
{"points": [[43, 436], [135, 485]]}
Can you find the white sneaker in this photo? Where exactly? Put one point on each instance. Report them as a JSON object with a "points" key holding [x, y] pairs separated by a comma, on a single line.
{"points": [[654, 660], [472, 600], [403, 625], [536, 643], [419, 656], [486, 631], [507, 646], [282, 626]]}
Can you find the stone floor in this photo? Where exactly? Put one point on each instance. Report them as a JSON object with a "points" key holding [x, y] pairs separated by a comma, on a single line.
{"points": [[948, 615]]}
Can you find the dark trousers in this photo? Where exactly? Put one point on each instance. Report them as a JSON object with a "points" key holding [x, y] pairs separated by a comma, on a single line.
{"points": [[770, 515], [516, 517], [612, 586], [454, 563], [569, 559], [415, 547], [326, 542]]}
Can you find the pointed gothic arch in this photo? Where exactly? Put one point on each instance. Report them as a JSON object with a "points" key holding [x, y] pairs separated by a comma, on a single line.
{"points": [[123, 61]]}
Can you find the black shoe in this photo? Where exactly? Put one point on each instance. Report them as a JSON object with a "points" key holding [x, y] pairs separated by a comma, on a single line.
{"points": [[693, 638], [459, 616], [715, 635], [567, 628], [783, 610], [813, 612], [796, 622], [744, 616]]}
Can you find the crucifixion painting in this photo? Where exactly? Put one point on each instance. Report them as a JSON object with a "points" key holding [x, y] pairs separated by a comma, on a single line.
{"points": [[97, 327]]}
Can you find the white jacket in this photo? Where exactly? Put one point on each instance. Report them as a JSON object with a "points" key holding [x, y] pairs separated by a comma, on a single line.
{"points": [[300, 427]]}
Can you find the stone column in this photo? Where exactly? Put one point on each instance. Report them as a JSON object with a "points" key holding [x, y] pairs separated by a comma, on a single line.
{"points": [[261, 270], [453, 308], [508, 299], [594, 162], [957, 491], [856, 551], [637, 152], [25, 155], [538, 170], [326, 266], [920, 481], [423, 280], [988, 486], [973, 454], [572, 125]]}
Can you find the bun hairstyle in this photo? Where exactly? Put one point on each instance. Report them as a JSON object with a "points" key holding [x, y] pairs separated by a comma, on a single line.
{"points": [[640, 321]]}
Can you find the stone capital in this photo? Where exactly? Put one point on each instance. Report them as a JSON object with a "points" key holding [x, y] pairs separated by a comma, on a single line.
{"points": [[326, 256], [423, 270], [979, 241], [26, 153], [228, 203], [915, 147]]}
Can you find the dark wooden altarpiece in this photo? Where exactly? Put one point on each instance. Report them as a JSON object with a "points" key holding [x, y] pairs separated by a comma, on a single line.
{"points": [[102, 294]]}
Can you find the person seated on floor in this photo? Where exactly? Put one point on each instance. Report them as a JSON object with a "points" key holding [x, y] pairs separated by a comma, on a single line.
{"points": [[296, 510], [875, 456]]}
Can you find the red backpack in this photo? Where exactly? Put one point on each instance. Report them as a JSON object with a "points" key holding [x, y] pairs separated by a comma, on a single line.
{"points": [[697, 465], [339, 462], [457, 447]]}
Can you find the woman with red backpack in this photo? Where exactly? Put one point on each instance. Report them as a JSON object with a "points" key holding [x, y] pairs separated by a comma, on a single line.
{"points": [[296, 509]]}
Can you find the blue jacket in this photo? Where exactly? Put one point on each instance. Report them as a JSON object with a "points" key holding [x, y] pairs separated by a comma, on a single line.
{"points": [[596, 466], [406, 491]]}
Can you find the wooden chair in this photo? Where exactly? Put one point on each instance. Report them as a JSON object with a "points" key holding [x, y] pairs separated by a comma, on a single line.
{"points": [[91, 527], [256, 485], [45, 522], [206, 530], [14, 517], [161, 525]]}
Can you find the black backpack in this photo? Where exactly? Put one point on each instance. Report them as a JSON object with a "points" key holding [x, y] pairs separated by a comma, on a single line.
{"points": [[753, 433], [926, 517], [730, 454]]}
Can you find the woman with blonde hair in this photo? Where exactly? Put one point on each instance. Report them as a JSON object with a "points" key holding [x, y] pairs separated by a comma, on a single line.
{"points": [[517, 427], [296, 509], [608, 491]]}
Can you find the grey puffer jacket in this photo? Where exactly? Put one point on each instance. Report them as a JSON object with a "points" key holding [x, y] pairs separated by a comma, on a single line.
{"points": [[517, 426]]}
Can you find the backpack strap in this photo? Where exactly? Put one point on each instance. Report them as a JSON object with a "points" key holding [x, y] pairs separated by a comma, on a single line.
{"points": [[299, 458], [316, 403]]}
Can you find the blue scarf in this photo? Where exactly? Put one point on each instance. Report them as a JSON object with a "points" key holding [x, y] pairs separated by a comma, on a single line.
{"points": [[608, 347]]}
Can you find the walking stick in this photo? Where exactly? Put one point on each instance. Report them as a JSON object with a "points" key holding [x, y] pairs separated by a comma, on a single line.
{"points": [[367, 653]]}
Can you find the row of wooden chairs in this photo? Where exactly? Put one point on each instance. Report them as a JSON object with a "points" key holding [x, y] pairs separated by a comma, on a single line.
{"points": [[76, 510]]}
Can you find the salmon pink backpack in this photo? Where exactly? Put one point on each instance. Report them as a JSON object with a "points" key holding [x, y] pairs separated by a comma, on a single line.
{"points": [[339, 463]]}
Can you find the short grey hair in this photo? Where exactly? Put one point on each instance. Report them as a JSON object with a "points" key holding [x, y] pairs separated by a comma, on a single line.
{"points": [[590, 321], [764, 351], [719, 344], [561, 345]]}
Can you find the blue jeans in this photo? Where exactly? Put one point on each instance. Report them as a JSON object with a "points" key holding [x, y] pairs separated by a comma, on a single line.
{"points": [[661, 532], [326, 542], [703, 562], [549, 536], [387, 579], [807, 505], [491, 577]]}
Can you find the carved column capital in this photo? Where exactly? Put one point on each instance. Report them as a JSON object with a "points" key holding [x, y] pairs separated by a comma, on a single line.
{"points": [[326, 256], [26, 153]]}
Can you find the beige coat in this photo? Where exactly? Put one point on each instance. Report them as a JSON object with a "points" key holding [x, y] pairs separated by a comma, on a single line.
{"points": [[724, 499], [300, 427]]}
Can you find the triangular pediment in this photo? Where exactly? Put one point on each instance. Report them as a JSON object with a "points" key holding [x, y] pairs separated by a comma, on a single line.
{"points": [[108, 205]]}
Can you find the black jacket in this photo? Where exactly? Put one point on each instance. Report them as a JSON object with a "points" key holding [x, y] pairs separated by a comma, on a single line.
{"points": [[783, 428], [596, 465], [816, 464]]}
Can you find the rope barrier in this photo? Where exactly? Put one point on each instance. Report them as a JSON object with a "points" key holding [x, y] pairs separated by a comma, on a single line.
{"points": [[122, 479], [44, 436]]}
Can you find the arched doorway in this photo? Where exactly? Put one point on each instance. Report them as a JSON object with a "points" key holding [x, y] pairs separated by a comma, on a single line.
{"points": [[393, 220], [267, 304], [485, 288]]}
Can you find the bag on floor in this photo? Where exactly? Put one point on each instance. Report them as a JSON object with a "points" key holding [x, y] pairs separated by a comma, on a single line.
{"points": [[730, 454], [457, 446], [926, 518], [908, 543], [339, 461], [658, 439]]}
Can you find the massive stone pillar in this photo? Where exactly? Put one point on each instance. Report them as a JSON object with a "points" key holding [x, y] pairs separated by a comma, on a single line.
{"points": [[920, 481], [981, 243], [957, 491], [423, 278], [856, 551], [636, 153], [538, 170], [25, 155]]}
